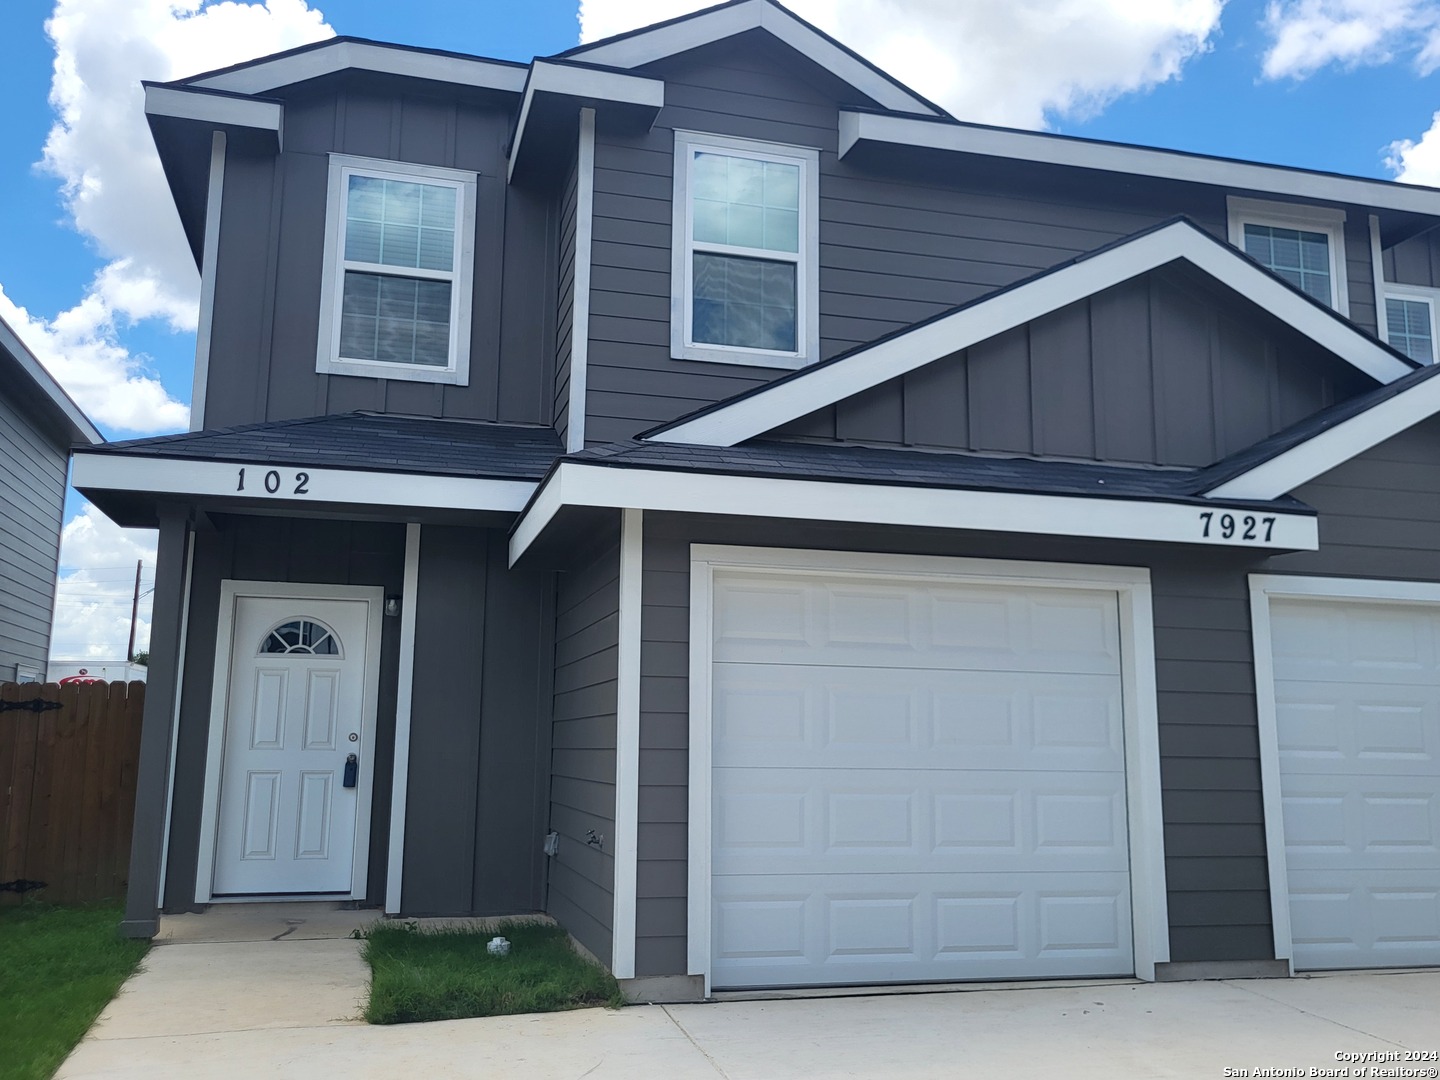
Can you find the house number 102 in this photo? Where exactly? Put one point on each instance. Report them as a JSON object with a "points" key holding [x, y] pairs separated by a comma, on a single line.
{"points": [[273, 480]]}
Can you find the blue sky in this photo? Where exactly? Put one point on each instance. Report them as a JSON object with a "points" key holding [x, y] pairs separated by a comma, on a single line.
{"points": [[1336, 105]]}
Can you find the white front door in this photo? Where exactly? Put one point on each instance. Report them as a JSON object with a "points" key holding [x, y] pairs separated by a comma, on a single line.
{"points": [[916, 781], [294, 716], [1357, 710]]}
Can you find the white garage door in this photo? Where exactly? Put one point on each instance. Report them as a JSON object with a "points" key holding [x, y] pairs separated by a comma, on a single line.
{"points": [[915, 781], [1357, 689]]}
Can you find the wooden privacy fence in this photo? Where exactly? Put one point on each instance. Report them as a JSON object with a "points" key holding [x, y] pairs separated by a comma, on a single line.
{"points": [[67, 789]]}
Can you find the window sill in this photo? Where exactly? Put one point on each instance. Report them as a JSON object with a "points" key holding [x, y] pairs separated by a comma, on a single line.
{"points": [[398, 372], [740, 357]]}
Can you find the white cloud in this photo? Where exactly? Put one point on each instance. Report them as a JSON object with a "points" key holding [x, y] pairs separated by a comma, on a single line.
{"points": [[80, 349], [1014, 63], [1307, 35], [95, 590], [1417, 161]]}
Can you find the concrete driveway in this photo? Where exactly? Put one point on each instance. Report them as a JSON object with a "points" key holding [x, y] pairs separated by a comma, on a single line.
{"points": [[287, 1008]]}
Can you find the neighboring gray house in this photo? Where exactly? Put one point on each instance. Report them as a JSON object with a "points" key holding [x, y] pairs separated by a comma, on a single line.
{"points": [[695, 487], [38, 426]]}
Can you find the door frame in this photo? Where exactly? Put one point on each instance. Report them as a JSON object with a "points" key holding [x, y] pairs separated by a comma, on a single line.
{"points": [[1149, 906], [1263, 589], [231, 592]]}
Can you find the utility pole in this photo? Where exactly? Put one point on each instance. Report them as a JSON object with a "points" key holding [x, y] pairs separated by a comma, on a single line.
{"points": [[134, 612]]}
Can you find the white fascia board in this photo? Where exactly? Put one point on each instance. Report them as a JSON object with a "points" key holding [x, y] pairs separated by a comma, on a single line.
{"points": [[295, 483], [647, 46], [218, 109], [79, 423], [858, 127], [365, 56], [583, 83], [577, 484], [895, 356], [1288, 470]]}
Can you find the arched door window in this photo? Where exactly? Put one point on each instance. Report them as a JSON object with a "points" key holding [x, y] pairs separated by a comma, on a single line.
{"points": [[304, 636]]}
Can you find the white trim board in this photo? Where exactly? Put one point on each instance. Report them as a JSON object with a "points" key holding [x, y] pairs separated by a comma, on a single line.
{"points": [[175, 476], [1263, 589], [1335, 445], [706, 27], [185, 103], [186, 582], [231, 591], [209, 261], [786, 400], [858, 127], [1149, 903], [580, 284], [303, 64], [404, 700], [627, 745], [575, 484]]}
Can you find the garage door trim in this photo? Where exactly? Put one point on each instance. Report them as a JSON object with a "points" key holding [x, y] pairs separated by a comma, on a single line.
{"points": [[1263, 589], [1140, 714]]}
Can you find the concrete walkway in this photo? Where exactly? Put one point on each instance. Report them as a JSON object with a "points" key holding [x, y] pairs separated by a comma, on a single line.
{"points": [[286, 1008]]}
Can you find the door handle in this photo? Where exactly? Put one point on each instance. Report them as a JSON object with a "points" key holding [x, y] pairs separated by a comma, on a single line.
{"points": [[352, 770]]}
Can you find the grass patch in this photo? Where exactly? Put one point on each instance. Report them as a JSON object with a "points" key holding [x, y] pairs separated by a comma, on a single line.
{"points": [[58, 968], [447, 974]]}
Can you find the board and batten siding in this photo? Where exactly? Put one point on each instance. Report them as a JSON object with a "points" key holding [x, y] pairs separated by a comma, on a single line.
{"points": [[580, 891], [1162, 370], [1209, 747], [32, 502], [1414, 262], [272, 253]]}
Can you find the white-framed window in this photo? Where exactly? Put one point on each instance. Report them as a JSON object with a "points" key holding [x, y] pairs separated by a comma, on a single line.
{"points": [[1409, 320], [745, 268], [399, 260], [1305, 245]]}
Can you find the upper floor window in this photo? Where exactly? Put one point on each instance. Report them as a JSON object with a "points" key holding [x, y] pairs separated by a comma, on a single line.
{"points": [[1305, 245], [1410, 321], [745, 282], [399, 249]]}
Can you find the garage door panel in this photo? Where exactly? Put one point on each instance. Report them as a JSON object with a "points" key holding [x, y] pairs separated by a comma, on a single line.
{"points": [[844, 622], [861, 821], [768, 715], [1357, 687], [780, 930]]}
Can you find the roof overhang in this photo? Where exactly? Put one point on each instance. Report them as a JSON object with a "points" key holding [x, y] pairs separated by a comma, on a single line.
{"points": [[859, 128], [550, 108], [796, 395], [347, 54], [183, 120], [580, 485], [649, 44], [128, 488], [49, 397]]}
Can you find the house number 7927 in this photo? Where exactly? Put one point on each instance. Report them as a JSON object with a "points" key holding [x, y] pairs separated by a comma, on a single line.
{"points": [[1237, 526], [273, 482]]}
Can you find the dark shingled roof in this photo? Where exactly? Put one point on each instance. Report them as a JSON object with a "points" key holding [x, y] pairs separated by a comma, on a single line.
{"points": [[371, 442], [871, 465]]}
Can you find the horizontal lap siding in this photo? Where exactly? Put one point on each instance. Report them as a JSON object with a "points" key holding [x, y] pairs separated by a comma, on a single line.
{"points": [[900, 241], [32, 500], [271, 260], [581, 892], [1212, 820]]}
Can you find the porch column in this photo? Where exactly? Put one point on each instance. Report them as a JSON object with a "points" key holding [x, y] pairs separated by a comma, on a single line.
{"points": [[157, 730]]}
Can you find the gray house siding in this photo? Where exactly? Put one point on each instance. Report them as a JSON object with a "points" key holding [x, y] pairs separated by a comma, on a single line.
{"points": [[1415, 261], [479, 729], [565, 305], [581, 884], [1214, 829], [32, 501], [271, 259], [278, 549], [1163, 370]]}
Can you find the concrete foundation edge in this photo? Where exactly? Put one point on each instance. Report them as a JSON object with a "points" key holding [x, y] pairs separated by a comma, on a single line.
{"points": [[1222, 969], [663, 989]]}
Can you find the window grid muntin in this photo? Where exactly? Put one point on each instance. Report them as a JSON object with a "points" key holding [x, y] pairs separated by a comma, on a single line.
{"points": [[797, 258], [1413, 333], [1300, 256], [303, 637]]}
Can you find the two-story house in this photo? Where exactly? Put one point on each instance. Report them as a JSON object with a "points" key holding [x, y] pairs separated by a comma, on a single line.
{"points": [[695, 487], [38, 425]]}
